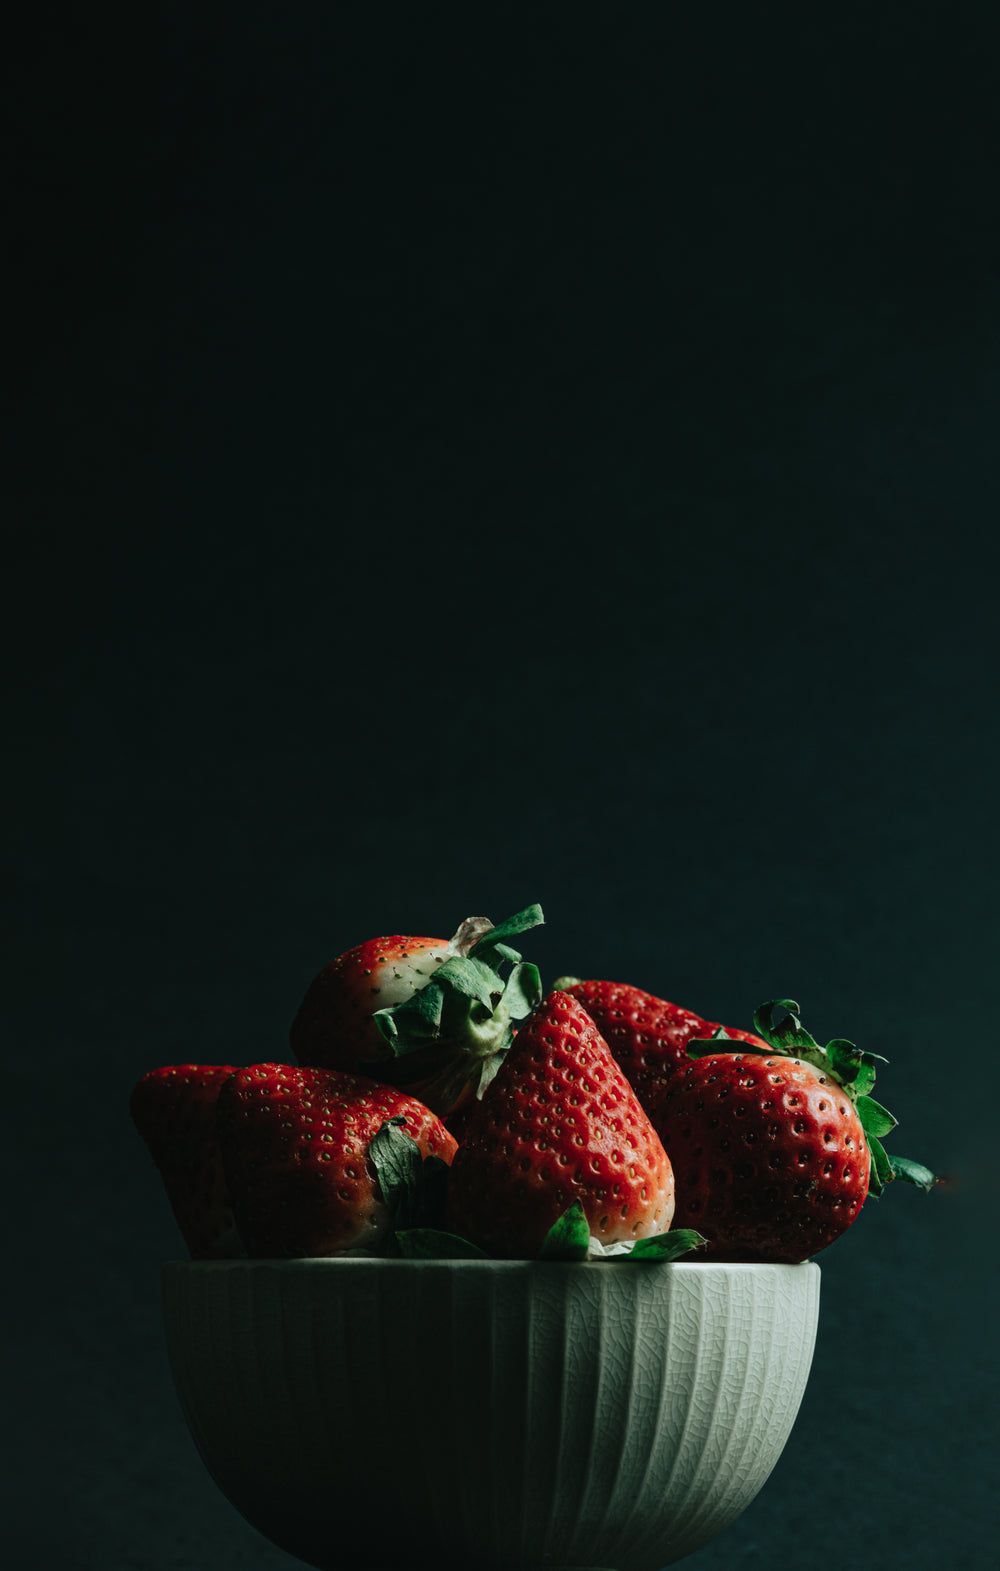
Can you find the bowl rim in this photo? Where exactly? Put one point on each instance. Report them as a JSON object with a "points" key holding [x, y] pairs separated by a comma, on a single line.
{"points": [[383, 1262]]}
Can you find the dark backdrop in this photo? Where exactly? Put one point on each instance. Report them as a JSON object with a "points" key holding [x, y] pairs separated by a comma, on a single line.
{"points": [[467, 456]]}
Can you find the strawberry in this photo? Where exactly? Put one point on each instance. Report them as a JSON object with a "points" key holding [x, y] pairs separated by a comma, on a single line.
{"points": [[434, 1016], [174, 1111], [775, 1152], [560, 1123], [296, 1146], [648, 1036]]}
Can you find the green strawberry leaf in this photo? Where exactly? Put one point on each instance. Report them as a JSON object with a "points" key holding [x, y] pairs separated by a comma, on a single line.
{"points": [[431, 1243], [881, 1173], [705, 1046], [875, 1119], [708, 1046], [523, 992], [790, 1037], [489, 1068], [849, 1063], [521, 922], [418, 1020], [569, 1238], [398, 1161], [781, 1036], [913, 1172], [666, 1246], [413, 1186], [854, 1069], [471, 978], [865, 1077], [492, 953], [846, 1060]]}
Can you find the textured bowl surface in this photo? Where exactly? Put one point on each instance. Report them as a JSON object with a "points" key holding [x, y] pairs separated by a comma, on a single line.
{"points": [[487, 1414]]}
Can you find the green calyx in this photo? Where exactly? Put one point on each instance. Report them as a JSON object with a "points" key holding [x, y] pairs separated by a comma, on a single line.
{"points": [[413, 1188], [452, 1034], [568, 1239], [852, 1069]]}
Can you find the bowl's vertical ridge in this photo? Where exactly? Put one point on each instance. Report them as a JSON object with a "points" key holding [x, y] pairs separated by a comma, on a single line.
{"points": [[714, 1357], [655, 1356], [745, 1430], [744, 1421], [685, 1333], [629, 1419], [601, 1394]]}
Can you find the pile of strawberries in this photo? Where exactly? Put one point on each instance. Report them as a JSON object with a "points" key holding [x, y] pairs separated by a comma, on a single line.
{"points": [[443, 1105]]}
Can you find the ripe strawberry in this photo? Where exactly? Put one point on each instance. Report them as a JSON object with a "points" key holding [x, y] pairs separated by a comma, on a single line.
{"points": [[296, 1149], [648, 1036], [174, 1111], [430, 1015], [559, 1123], [774, 1152]]}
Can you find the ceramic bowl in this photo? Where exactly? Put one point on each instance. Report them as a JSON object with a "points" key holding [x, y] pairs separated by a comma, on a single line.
{"points": [[489, 1414]]}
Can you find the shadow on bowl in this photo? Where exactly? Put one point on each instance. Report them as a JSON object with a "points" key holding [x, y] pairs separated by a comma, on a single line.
{"points": [[489, 1414]]}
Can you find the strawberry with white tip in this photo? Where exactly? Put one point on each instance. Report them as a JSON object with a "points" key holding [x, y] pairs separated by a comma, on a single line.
{"points": [[430, 1015]]}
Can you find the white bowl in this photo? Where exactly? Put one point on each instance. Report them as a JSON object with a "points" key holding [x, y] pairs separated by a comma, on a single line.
{"points": [[485, 1414]]}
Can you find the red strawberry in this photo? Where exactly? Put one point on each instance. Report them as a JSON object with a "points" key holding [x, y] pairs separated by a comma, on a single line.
{"points": [[174, 1111], [432, 1015], [774, 1153], [648, 1036], [559, 1123], [770, 1156], [295, 1144]]}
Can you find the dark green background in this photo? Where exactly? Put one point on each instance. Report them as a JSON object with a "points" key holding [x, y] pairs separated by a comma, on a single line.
{"points": [[466, 456]]}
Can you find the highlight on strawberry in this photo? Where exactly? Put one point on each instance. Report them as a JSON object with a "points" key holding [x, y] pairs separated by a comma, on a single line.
{"points": [[431, 1016]]}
